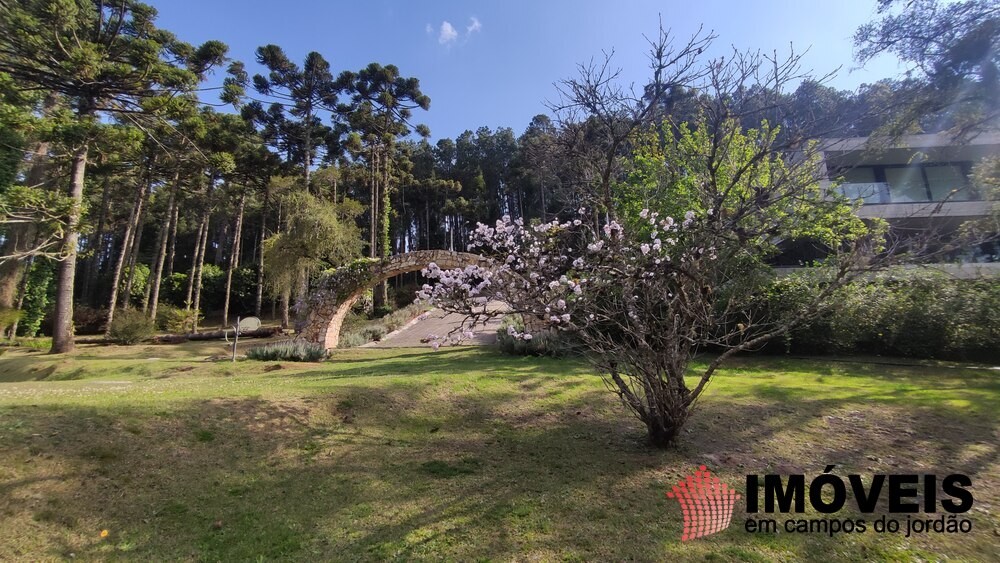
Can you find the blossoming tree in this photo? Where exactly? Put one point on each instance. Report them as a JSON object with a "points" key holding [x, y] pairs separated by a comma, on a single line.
{"points": [[673, 271]]}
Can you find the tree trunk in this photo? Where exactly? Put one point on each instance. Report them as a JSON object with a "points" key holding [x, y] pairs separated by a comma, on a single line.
{"points": [[172, 245], [301, 297], [542, 189], [285, 298], [161, 255], [200, 266], [194, 264], [381, 297], [62, 326], [234, 259], [96, 243], [260, 251], [221, 234], [661, 436], [140, 225], [123, 257], [20, 296], [373, 207], [161, 239], [307, 160]]}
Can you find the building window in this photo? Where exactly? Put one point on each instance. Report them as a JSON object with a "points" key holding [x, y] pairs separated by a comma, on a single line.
{"points": [[947, 181], [907, 183], [860, 183]]}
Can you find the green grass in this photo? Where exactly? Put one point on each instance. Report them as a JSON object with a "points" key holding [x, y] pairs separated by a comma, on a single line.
{"points": [[462, 454]]}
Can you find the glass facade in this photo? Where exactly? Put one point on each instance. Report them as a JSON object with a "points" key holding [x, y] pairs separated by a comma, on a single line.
{"points": [[908, 183]]}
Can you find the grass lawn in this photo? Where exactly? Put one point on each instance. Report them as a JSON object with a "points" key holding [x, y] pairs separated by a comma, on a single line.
{"points": [[462, 454]]}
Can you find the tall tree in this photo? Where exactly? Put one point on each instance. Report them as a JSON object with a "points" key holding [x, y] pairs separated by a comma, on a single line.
{"points": [[103, 58], [952, 50], [300, 97], [21, 131], [382, 103]]}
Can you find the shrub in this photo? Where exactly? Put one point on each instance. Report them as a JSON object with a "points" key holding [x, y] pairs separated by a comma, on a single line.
{"points": [[373, 333], [361, 335], [352, 339], [398, 318], [176, 320], [131, 326], [8, 317], [288, 351], [547, 342], [379, 312], [909, 314]]}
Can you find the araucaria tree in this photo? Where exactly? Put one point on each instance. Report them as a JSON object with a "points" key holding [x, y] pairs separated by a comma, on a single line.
{"points": [[103, 58], [672, 258]]}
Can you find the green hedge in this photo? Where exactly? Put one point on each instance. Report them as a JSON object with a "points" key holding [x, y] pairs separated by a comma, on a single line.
{"points": [[913, 314]]}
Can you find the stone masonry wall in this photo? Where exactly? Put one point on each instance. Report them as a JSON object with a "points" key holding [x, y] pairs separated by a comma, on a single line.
{"points": [[327, 311]]}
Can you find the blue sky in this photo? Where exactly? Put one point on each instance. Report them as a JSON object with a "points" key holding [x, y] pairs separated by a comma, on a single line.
{"points": [[494, 64]]}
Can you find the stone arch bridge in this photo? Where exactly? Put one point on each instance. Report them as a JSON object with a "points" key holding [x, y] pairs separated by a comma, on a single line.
{"points": [[341, 288]]}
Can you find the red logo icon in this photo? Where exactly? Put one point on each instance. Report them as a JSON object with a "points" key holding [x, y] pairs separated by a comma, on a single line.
{"points": [[707, 504]]}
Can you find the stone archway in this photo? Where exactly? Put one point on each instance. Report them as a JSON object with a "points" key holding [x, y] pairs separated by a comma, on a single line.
{"points": [[340, 289]]}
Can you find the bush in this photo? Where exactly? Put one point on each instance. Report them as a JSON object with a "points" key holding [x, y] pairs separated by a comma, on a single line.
{"points": [[398, 318], [379, 312], [176, 320], [908, 314], [288, 351], [547, 342], [352, 340], [373, 333], [8, 317], [131, 326]]}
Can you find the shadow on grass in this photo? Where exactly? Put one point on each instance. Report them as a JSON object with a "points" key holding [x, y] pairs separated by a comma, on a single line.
{"points": [[377, 472]]}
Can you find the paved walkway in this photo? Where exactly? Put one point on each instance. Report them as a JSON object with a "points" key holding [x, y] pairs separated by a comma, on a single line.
{"points": [[440, 323]]}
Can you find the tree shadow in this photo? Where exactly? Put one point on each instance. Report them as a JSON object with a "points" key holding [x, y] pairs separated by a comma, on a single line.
{"points": [[375, 472]]}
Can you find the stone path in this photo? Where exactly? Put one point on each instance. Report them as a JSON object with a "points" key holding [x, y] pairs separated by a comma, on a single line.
{"points": [[440, 323]]}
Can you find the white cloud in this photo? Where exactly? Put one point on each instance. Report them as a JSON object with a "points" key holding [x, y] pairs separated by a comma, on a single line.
{"points": [[429, 29], [473, 26], [447, 34]]}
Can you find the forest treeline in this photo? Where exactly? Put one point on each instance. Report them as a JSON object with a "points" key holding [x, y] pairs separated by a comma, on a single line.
{"points": [[127, 184]]}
